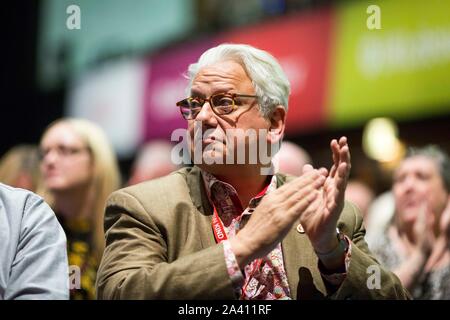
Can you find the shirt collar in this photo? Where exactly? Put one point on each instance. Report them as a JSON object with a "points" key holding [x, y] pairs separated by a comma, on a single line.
{"points": [[209, 180]]}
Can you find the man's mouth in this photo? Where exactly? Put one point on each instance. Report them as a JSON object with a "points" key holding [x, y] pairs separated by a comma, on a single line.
{"points": [[209, 140]]}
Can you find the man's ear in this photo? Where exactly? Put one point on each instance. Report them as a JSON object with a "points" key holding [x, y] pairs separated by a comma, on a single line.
{"points": [[277, 125]]}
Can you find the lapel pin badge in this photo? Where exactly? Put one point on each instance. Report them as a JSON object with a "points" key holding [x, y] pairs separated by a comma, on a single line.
{"points": [[300, 228]]}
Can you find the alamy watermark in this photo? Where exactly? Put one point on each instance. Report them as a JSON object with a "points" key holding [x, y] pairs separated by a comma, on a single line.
{"points": [[73, 21], [235, 146], [373, 22], [74, 277], [374, 278]]}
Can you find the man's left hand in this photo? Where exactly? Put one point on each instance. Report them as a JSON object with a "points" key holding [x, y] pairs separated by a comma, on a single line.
{"points": [[320, 220]]}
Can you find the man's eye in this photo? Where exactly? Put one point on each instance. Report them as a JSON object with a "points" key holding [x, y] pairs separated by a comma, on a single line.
{"points": [[224, 102], [194, 103]]}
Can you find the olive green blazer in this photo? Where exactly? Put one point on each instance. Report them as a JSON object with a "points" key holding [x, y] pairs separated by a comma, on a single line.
{"points": [[160, 245]]}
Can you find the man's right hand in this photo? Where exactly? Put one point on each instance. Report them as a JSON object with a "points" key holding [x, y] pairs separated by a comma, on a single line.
{"points": [[274, 216]]}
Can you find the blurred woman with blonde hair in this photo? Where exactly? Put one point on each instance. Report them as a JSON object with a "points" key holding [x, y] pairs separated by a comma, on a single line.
{"points": [[79, 171]]}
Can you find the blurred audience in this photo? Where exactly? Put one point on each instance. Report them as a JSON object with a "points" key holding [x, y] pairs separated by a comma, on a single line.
{"points": [[19, 167], [416, 244], [153, 161], [79, 171], [361, 195], [379, 216], [290, 159]]}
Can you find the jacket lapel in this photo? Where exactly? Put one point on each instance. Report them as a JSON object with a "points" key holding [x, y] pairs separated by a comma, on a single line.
{"points": [[300, 262], [203, 208]]}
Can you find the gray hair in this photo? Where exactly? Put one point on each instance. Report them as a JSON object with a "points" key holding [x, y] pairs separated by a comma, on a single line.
{"points": [[441, 158], [269, 80]]}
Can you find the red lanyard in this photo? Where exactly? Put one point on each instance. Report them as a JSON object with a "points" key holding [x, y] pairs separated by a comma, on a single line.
{"points": [[221, 235], [219, 231]]}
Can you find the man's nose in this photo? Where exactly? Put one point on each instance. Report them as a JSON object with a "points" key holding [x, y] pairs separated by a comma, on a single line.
{"points": [[206, 114]]}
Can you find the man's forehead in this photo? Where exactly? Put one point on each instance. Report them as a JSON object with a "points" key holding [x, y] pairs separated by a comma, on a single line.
{"points": [[223, 65], [222, 76], [224, 69]]}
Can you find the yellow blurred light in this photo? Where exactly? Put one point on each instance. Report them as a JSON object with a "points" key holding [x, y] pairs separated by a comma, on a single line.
{"points": [[380, 140]]}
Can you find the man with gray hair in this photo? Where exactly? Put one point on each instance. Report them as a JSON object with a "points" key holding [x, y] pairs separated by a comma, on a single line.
{"points": [[226, 230]]}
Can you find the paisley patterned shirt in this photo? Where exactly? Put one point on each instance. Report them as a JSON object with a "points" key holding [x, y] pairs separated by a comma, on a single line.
{"points": [[263, 279]]}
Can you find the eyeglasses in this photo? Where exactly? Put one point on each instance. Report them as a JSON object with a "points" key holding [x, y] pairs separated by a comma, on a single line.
{"points": [[221, 104], [62, 150]]}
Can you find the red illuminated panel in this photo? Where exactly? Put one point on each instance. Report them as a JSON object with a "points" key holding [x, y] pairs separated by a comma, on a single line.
{"points": [[302, 44]]}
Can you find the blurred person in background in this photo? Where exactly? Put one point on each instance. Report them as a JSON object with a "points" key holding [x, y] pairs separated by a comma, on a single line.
{"points": [[291, 158], [361, 195], [19, 167], [416, 243], [153, 161], [33, 256], [79, 171], [379, 216]]}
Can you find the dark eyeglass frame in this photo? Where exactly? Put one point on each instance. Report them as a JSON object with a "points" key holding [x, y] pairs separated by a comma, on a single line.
{"points": [[192, 115]]}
